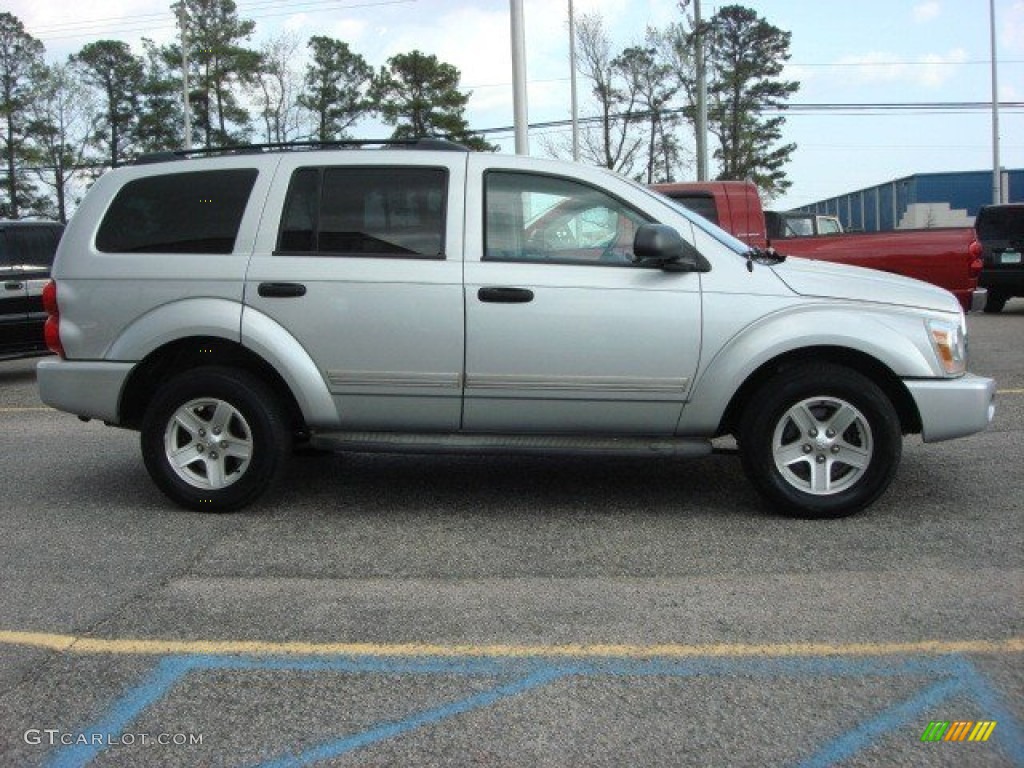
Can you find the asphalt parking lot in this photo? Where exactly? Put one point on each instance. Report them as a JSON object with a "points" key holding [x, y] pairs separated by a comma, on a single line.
{"points": [[486, 611]]}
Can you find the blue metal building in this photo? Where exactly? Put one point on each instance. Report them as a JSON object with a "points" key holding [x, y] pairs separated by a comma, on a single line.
{"points": [[919, 201]]}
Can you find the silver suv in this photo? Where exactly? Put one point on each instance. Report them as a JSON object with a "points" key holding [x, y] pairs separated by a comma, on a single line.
{"points": [[426, 298]]}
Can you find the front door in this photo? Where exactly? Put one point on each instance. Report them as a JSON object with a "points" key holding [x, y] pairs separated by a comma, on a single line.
{"points": [[564, 333]]}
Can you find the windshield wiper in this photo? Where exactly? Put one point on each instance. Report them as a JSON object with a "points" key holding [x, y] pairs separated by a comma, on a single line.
{"points": [[767, 256]]}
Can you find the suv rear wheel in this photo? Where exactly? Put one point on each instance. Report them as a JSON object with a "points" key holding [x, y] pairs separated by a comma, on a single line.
{"points": [[214, 439], [820, 441]]}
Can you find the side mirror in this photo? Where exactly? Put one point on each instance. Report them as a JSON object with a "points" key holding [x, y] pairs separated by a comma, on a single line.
{"points": [[661, 246]]}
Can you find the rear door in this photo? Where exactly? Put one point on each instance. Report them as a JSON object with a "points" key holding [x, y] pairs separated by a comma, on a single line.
{"points": [[364, 269]]}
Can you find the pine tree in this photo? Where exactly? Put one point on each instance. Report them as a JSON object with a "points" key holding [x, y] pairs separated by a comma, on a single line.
{"points": [[746, 56], [335, 87], [420, 96], [116, 73], [21, 57]]}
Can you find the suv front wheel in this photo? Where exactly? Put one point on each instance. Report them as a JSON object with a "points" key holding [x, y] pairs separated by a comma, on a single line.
{"points": [[820, 440], [214, 439]]}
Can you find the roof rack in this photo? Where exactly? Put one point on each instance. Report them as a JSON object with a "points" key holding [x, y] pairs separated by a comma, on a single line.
{"points": [[421, 143]]}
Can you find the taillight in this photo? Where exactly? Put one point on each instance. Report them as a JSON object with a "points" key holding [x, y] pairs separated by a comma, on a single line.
{"points": [[51, 330], [975, 252]]}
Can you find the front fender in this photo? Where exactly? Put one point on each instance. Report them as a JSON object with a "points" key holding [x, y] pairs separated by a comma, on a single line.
{"points": [[894, 338]]}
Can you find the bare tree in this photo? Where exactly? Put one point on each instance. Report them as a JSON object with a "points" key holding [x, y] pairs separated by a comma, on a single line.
{"points": [[62, 114], [276, 90], [614, 144], [647, 76]]}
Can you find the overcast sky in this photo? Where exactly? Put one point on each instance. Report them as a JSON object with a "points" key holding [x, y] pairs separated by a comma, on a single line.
{"points": [[864, 52]]}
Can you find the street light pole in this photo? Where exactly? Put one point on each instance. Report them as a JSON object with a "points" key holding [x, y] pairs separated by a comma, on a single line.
{"points": [[572, 85], [521, 121], [701, 128], [997, 186], [186, 109]]}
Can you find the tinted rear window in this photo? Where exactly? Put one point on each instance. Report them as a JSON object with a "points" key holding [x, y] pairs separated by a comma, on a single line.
{"points": [[196, 212], [1001, 223], [701, 204], [365, 211]]}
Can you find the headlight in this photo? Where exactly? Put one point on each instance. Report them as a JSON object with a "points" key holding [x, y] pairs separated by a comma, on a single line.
{"points": [[949, 340]]}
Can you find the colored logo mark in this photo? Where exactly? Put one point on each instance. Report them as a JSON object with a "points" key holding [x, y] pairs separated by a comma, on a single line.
{"points": [[958, 730]]}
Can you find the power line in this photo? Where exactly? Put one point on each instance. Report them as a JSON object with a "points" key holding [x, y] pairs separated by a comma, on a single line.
{"points": [[128, 24], [876, 109]]}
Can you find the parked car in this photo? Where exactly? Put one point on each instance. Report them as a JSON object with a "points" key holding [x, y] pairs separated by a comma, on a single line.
{"points": [[1001, 233], [26, 255], [948, 257], [436, 299], [783, 225]]}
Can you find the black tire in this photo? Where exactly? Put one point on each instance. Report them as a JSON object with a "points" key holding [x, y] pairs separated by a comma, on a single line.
{"points": [[229, 432], [796, 460], [995, 302]]}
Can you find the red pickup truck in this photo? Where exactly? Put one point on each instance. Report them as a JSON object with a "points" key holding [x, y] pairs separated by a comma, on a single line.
{"points": [[947, 257]]}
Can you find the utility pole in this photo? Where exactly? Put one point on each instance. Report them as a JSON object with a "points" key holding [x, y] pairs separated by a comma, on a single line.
{"points": [[701, 128], [521, 120], [186, 110], [997, 186], [572, 85]]}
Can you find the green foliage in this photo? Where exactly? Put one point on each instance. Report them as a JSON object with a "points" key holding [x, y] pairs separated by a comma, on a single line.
{"points": [[647, 76], [420, 96], [161, 122], [219, 64], [21, 57], [746, 56], [112, 69], [336, 83]]}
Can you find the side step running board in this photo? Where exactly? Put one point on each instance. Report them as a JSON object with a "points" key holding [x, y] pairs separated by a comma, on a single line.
{"points": [[530, 445]]}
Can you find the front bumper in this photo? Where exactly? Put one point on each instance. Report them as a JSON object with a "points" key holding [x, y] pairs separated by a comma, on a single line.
{"points": [[953, 407], [88, 389]]}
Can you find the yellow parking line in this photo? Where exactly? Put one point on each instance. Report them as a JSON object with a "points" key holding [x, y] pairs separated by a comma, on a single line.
{"points": [[93, 645], [1010, 391]]}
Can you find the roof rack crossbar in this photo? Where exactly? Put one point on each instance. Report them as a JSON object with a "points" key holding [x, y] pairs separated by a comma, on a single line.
{"points": [[422, 143]]}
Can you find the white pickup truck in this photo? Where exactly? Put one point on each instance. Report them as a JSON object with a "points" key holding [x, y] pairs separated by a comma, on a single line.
{"points": [[428, 298]]}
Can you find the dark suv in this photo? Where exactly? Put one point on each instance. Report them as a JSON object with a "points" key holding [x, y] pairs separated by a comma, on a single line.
{"points": [[26, 255], [1001, 233]]}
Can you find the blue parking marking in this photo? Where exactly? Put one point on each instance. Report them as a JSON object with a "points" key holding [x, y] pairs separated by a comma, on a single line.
{"points": [[867, 733], [390, 730], [942, 678], [167, 673]]}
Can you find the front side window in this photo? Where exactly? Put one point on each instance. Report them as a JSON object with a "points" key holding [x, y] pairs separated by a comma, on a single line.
{"points": [[194, 212], [361, 211], [543, 218]]}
